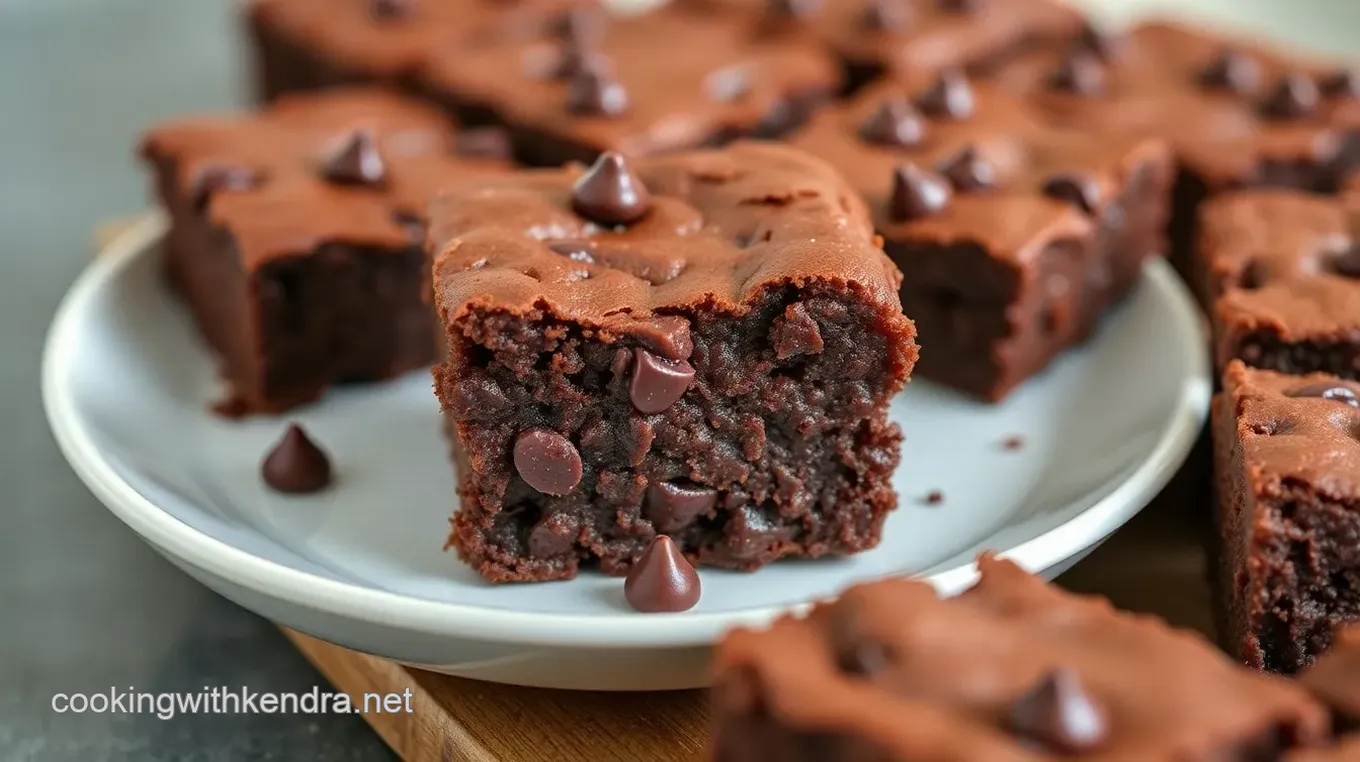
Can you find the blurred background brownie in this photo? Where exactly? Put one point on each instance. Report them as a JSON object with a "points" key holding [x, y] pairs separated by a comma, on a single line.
{"points": [[703, 345], [296, 238], [1013, 237]]}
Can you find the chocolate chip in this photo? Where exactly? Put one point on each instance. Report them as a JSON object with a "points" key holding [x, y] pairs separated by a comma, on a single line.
{"points": [[1232, 71], [960, 6], [657, 382], [1012, 443], [356, 161], [672, 506], [1347, 263], [934, 497], [547, 461], [949, 96], [917, 193], [1104, 45], [609, 193], [577, 250], [662, 580], [1077, 188], [1327, 390], [392, 9], [1058, 713], [1342, 83], [968, 170], [296, 465], [895, 123], [484, 143], [1080, 73], [1295, 96], [593, 91], [800, 10], [215, 178], [886, 15]]}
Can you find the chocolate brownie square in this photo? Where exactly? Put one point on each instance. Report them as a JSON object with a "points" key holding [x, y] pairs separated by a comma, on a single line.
{"points": [[1287, 468], [1013, 237], [1237, 113], [702, 345], [1279, 272], [639, 86], [313, 44], [296, 237], [1012, 670]]}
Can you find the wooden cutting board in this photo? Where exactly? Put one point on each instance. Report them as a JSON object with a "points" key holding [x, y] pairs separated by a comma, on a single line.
{"points": [[1155, 564]]}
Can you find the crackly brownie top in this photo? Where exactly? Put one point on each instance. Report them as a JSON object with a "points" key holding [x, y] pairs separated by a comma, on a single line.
{"points": [[1285, 260], [637, 85], [391, 37], [1013, 669], [629, 240], [949, 159], [352, 166], [1297, 430], [908, 35], [1224, 104]]}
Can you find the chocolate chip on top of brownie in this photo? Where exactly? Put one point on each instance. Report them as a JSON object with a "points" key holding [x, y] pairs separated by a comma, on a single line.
{"points": [[702, 345]]}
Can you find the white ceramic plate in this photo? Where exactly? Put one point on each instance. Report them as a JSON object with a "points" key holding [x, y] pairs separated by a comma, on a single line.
{"points": [[127, 384]]}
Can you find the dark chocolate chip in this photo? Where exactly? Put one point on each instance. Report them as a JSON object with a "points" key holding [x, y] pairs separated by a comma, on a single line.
{"points": [[968, 170], [1231, 71], [575, 249], [392, 9], [800, 10], [895, 123], [296, 465], [484, 143], [1295, 96], [961, 6], [609, 193], [547, 461], [1342, 83], [1327, 390], [1347, 263], [356, 161], [657, 382], [673, 506], [662, 580], [917, 193], [217, 177], [593, 91], [1058, 713], [886, 15], [1080, 73], [553, 535], [1077, 188], [950, 96], [1104, 45], [934, 497]]}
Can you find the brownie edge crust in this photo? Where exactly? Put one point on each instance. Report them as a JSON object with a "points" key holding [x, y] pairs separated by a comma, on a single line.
{"points": [[717, 369]]}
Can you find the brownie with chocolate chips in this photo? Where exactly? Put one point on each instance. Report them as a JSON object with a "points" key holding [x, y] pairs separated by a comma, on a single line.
{"points": [[639, 86], [1280, 273], [1237, 113], [1013, 237], [702, 345], [296, 236], [1287, 468], [1011, 670], [313, 44]]}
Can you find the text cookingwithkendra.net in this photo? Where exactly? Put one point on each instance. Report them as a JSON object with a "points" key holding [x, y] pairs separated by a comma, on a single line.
{"points": [[229, 701]]}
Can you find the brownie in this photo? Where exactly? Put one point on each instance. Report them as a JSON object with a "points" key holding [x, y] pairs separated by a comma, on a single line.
{"points": [[296, 237], [1013, 237], [876, 37], [1287, 468], [1011, 670], [1236, 112], [313, 44], [1335, 680], [640, 86], [701, 345], [1279, 270]]}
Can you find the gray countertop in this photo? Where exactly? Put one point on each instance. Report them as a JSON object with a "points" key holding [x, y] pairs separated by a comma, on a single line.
{"points": [[84, 604]]}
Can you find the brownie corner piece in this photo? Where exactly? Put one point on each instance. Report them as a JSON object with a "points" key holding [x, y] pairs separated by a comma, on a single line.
{"points": [[702, 345], [1287, 465]]}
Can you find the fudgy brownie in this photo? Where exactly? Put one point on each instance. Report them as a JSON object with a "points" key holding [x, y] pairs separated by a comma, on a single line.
{"points": [[1013, 237], [1011, 670], [296, 237], [873, 37], [1236, 113], [1287, 465], [702, 345], [640, 86], [313, 44], [1280, 271]]}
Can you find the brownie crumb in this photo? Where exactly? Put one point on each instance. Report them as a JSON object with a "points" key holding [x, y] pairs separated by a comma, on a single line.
{"points": [[1012, 443], [934, 497]]}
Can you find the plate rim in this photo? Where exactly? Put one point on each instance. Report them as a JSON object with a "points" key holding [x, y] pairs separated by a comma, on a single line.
{"points": [[461, 620]]}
